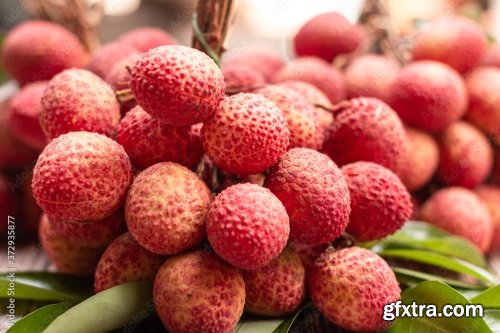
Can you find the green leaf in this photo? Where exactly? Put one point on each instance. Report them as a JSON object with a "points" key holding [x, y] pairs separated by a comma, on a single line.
{"points": [[492, 319], [415, 277], [287, 324], [120, 306], [45, 286], [440, 294], [435, 259], [490, 298], [258, 326], [38, 320]]}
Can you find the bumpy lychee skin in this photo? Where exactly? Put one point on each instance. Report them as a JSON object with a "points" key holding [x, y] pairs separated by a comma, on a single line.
{"points": [[104, 58], [81, 176], [246, 135], [314, 193], [465, 155], [77, 100], [148, 141], [317, 72], [302, 118], [351, 286], [454, 40], [68, 257], [38, 50], [167, 207], [119, 79], [197, 292], [492, 56], [371, 76], [263, 61], [307, 253], [490, 196], [484, 106], [460, 212], [242, 77], [326, 36], [276, 289], [367, 129], [247, 226], [146, 38], [380, 203], [24, 111], [177, 84], [429, 95], [125, 261], [422, 159]]}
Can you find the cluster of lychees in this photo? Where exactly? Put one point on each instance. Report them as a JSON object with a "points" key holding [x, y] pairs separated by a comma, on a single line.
{"points": [[307, 152]]}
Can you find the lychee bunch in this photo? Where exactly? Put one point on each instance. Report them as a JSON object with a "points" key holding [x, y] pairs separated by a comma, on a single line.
{"points": [[145, 38]]}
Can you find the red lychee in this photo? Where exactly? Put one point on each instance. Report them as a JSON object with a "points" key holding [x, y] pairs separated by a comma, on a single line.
{"points": [[119, 79], [247, 226], [263, 61], [246, 135], [105, 57], [490, 196], [308, 253], [145, 38], [81, 176], [242, 77], [177, 84], [492, 56], [13, 153]]}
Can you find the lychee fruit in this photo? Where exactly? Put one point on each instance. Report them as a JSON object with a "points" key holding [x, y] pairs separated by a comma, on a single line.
{"points": [[77, 100], [429, 95], [490, 196], [247, 226], [38, 50], [13, 153], [422, 159], [317, 72], [145, 38], [242, 78], [277, 289], [371, 75], [125, 261], [119, 79], [166, 208], [314, 193], [81, 176], [177, 84], [24, 112], [367, 129], [454, 40], [459, 211], [351, 286], [380, 203], [301, 116], [148, 141], [466, 155], [197, 292], [492, 56], [484, 101], [246, 135], [263, 61], [105, 57], [328, 35], [307, 253]]}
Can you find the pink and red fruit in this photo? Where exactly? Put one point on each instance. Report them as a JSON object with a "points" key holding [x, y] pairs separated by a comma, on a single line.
{"points": [[277, 289], [81, 176], [367, 129], [104, 58], [242, 78], [459, 211], [246, 135], [77, 100], [380, 203], [148, 141], [422, 159], [119, 79], [351, 286], [263, 61], [125, 261], [68, 257], [146, 38], [24, 112], [492, 56], [197, 292], [465, 155], [166, 208], [429, 95], [308, 253], [371, 76], [317, 72], [454, 40], [38, 50], [328, 35], [490, 196], [302, 118], [484, 101], [177, 84], [247, 226], [314, 193]]}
